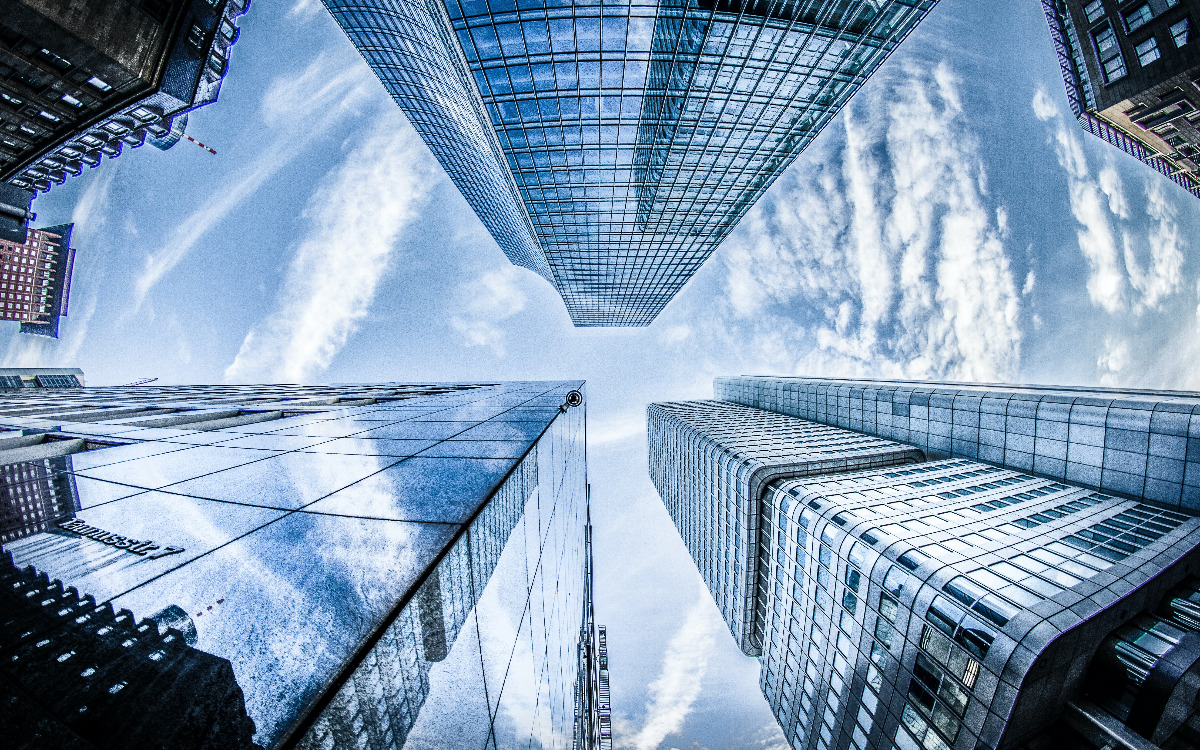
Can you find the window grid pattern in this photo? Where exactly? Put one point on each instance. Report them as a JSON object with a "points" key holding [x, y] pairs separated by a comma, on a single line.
{"points": [[1180, 32], [1140, 444], [612, 147], [710, 461], [59, 118], [979, 577], [1147, 51], [26, 276], [910, 605], [491, 485]]}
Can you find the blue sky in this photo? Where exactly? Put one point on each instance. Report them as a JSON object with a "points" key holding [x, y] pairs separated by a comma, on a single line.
{"points": [[953, 222]]}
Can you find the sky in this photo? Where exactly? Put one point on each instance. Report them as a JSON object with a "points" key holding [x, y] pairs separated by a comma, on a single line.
{"points": [[953, 222]]}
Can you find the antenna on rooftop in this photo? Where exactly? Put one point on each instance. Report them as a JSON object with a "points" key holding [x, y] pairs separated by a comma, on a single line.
{"points": [[201, 145], [142, 381]]}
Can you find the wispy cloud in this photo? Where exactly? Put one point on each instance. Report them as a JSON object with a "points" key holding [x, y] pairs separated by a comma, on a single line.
{"points": [[1113, 361], [887, 255], [297, 108], [1092, 205], [483, 303], [674, 691], [355, 218], [616, 429], [1120, 276], [1162, 276], [305, 10]]}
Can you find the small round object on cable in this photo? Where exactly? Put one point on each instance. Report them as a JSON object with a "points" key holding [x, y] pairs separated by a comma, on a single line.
{"points": [[574, 398]]}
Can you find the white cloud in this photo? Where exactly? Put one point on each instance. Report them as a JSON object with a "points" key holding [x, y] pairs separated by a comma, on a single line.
{"points": [[1118, 279], [1106, 279], [298, 109], [1109, 180], [305, 10], [27, 350], [605, 431], [91, 212], [1113, 361], [486, 301], [675, 335], [1043, 107], [354, 219], [677, 686], [1163, 275], [887, 254]]}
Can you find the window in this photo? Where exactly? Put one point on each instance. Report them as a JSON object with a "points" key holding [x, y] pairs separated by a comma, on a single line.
{"points": [[10, 99], [1179, 32], [1137, 18], [99, 84], [962, 628], [55, 60], [1147, 51], [71, 100], [195, 37], [1109, 51], [982, 601], [1094, 10], [912, 559]]}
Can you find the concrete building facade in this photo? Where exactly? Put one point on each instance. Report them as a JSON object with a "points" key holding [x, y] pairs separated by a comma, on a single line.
{"points": [[1132, 72], [82, 80]]}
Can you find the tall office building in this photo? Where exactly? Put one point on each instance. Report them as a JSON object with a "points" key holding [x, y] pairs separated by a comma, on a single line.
{"points": [[611, 147], [35, 283], [1138, 443], [1132, 72], [34, 494], [593, 707], [902, 594], [82, 80], [376, 566]]}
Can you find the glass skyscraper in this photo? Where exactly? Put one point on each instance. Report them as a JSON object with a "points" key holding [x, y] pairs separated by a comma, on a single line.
{"points": [[901, 595], [369, 566], [611, 147]]}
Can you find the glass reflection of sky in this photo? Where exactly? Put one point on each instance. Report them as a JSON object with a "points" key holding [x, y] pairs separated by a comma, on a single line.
{"points": [[294, 555], [610, 147], [508, 678]]}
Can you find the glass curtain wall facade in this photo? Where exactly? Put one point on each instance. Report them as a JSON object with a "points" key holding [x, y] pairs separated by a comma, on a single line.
{"points": [[611, 147], [945, 603], [377, 566]]}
